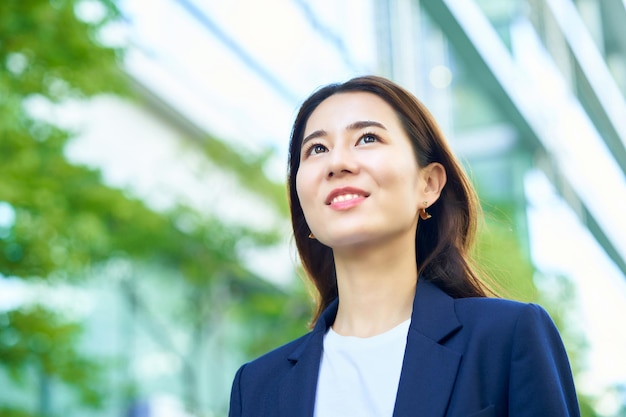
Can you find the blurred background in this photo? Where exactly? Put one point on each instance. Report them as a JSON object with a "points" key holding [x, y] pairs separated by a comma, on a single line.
{"points": [[145, 248]]}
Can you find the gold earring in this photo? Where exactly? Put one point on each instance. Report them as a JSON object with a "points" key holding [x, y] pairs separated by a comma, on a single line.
{"points": [[311, 235], [424, 215]]}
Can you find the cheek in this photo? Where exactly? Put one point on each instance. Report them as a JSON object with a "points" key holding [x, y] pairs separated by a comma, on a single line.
{"points": [[303, 188], [299, 188], [396, 171], [404, 183], [305, 191]]}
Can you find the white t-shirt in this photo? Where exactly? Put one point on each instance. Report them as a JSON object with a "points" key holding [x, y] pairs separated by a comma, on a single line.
{"points": [[360, 376]]}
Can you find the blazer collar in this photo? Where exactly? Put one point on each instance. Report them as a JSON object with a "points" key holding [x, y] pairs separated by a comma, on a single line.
{"points": [[428, 370], [298, 388]]}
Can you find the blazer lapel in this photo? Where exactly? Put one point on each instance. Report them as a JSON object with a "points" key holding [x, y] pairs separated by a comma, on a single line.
{"points": [[429, 369], [298, 388]]}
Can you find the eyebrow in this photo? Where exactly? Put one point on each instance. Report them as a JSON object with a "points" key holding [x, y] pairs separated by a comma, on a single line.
{"points": [[362, 124]]}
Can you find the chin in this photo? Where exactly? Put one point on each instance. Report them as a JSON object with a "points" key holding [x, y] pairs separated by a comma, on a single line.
{"points": [[349, 241]]}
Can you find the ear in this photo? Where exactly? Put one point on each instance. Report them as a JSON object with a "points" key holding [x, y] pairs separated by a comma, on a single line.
{"points": [[434, 179]]}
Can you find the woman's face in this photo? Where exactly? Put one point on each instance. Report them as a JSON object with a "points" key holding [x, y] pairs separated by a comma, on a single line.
{"points": [[358, 180]]}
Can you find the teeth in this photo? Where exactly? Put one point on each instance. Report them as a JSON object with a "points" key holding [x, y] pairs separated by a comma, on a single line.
{"points": [[344, 197]]}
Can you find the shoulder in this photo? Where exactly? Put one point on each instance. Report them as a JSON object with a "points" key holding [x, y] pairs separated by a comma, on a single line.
{"points": [[497, 309], [272, 361], [513, 351], [438, 315], [273, 364], [505, 317], [258, 383], [262, 377]]}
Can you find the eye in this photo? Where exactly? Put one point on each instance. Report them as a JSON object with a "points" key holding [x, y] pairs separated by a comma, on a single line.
{"points": [[367, 138], [315, 148]]}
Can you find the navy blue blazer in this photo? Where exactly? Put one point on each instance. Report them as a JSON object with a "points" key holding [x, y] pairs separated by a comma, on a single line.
{"points": [[471, 357]]}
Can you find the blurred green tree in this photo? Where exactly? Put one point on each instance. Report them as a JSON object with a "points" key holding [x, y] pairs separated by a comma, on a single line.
{"points": [[61, 220]]}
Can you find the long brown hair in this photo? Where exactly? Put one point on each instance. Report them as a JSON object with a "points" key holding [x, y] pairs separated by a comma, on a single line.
{"points": [[443, 243]]}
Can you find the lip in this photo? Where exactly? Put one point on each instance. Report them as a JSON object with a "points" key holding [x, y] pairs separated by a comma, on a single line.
{"points": [[362, 195]]}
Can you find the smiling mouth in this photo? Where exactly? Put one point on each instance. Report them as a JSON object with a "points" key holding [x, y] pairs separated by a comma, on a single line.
{"points": [[345, 197]]}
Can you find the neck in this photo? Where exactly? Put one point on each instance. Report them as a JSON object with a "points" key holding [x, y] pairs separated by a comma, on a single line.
{"points": [[376, 287]]}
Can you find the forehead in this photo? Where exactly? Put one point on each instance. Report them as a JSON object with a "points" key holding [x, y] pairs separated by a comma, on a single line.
{"points": [[342, 109]]}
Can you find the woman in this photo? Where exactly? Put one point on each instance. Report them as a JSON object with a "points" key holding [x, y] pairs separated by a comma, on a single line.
{"points": [[384, 218]]}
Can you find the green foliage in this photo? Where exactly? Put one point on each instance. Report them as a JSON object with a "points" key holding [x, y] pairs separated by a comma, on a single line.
{"points": [[67, 221], [14, 412], [46, 50], [37, 338], [35, 62]]}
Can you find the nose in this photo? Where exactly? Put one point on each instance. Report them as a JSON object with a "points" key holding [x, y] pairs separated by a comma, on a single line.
{"points": [[342, 161]]}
